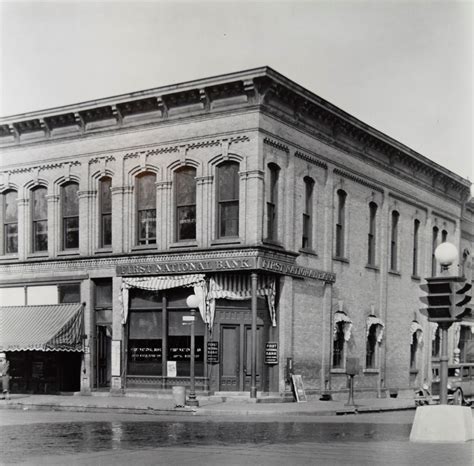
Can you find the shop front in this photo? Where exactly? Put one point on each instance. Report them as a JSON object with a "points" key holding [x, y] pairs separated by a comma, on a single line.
{"points": [[44, 345]]}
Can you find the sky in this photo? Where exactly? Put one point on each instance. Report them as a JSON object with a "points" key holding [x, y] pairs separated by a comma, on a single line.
{"points": [[403, 67]]}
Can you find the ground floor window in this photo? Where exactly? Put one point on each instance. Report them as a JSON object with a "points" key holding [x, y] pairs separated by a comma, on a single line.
{"points": [[466, 344], [370, 355], [338, 346]]}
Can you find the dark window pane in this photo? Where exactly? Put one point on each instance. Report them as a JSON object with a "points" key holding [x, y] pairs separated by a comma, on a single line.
{"points": [[103, 293], [147, 227], [371, 346], [11, 238], [71, 233], [146, 192], [40, 204], [306, 231], [10, 207], [145, 325], [338, 346], [40, 235], [228, 181], [70, 200], [105, 195], [229, 219], [70, 293], [185, 186], [186, 222], [145, 356], [106, 229], [271, 220]]}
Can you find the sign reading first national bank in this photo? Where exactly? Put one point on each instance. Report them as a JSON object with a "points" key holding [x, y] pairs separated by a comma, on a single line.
{"points": [[238, 264]]}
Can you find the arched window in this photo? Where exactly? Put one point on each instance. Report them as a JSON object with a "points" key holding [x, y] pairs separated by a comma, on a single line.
{"points": [[9, 213], [416, 228], [272, 202], [185, 197], [146, 209], [228, 199], [444, 236], [70, 215], [307, 239], [434, 244], [340, 222], [39, 216], [372, 233], [394, 241], [105, 211]]}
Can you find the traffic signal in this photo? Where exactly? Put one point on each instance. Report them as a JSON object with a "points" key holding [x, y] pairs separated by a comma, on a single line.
{"points": [[445, 298]]}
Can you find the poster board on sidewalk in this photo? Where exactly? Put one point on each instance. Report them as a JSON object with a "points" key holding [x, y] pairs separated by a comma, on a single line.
{"points": [[298, 387]]}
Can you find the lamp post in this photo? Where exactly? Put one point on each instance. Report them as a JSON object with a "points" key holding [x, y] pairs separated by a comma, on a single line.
{"points": [[192, 301]]}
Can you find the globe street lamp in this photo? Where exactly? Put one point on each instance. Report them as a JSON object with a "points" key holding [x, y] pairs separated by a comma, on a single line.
{"points": [[192, 301], [446, 253]]}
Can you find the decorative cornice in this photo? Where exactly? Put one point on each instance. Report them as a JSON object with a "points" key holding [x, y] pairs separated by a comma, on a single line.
{"points": [[276, 145], [106, 158], [311, 159], [46, 166], [358, 179], [259, 174]]}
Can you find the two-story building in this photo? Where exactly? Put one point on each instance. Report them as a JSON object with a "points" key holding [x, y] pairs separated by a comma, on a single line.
{"points": [[304, 233]]}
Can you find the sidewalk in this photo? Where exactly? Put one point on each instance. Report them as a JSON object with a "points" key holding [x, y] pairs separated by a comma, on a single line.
{"points": [[157, 404]]}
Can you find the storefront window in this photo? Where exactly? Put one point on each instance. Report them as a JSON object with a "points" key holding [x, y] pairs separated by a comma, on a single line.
{"points": [[70, 293]]}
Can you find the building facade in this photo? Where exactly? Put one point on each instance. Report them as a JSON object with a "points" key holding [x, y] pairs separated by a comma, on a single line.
{"points": [[304, 233]]}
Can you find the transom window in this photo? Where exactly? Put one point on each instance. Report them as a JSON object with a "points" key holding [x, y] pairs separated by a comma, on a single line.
{"points": [[146, 208], [40, 219], [185, 195], [228, 199], [70, 213], [10, 222]]}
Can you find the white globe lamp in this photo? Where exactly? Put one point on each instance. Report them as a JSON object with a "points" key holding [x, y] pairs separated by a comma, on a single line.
{"points": [[446, 254]]}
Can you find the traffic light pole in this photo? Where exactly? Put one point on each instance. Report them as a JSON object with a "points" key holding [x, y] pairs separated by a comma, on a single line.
{"points": [[443, 366]]}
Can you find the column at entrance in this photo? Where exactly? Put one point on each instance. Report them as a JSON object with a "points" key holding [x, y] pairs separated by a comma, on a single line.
{"points": [[117, 382]]}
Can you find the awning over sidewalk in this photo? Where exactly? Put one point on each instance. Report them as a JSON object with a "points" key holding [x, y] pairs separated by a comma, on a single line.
{"points": [[53, 327]]}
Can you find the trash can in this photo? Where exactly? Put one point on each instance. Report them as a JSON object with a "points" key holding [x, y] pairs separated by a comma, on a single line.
{"points": [[179, 396]]}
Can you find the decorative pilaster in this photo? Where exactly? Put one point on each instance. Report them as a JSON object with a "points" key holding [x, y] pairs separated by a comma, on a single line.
{"points": [[54, 227], [87, 369], [85, 217], [23, 236], [204, 210], [118, 219], [118, 350], [164, 214], [254, 194]]}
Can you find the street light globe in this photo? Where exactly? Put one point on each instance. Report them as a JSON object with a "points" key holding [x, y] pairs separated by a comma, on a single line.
{"points": [[446, 253], [192, 301]]}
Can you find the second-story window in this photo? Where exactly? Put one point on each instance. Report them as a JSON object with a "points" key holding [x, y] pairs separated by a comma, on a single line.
{"points": [[39, 214], [416, 228], [70, 215], [105, 206], [228, 199], [272, 202], [444, 236], [340, 222], [185, 196], [434, 244], [146, 208], [10, 222], [394, 241], [372, 233], [308, 214]]}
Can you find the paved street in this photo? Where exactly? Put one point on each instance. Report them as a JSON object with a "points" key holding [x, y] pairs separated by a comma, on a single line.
{"points": [[53, 438]]}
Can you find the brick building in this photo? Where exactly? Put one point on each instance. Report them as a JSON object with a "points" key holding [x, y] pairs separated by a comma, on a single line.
{"points": [[304, 233]]}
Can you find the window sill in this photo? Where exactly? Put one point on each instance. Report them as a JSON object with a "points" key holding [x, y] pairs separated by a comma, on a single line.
{"points": [[229, 240], [145, 247], [70, 252], [103, 251], [9, 257], [370, 371], [395, 272], [413, 371], [308, 251], [272, 242], [416, 278], [372, 267], [37, 255], [340, 259], [338, 370], [183, 244]]}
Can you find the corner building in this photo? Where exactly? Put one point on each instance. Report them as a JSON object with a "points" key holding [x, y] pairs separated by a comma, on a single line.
{"points": [[304, 233]]}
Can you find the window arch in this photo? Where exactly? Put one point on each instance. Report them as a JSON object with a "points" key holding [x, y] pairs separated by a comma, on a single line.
{"points": [[394, 241], [105, 212], [340, 222], [272, 201], [228, 199], [9, 212], [185, 202], [307, 238], [146, 208], [39, 218], [371, 237], [70, 215]]}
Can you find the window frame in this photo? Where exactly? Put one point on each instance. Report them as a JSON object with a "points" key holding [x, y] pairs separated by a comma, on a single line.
{"points": [[146, 241], [6, 224], [272, 201], [394, 240], [66, 218], [307, 233], [340, 224], [104, 214], [434, 245], [371, 346], [339, 352], [36, 221], [223, 203], [372, 234], [416, 232], [178, 206]]}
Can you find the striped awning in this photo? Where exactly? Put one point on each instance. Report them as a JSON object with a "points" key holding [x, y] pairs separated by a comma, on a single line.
{"points": [[52, 327]]}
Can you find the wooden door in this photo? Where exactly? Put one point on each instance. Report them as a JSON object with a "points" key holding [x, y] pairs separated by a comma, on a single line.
{"points": [[230, 367]]}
